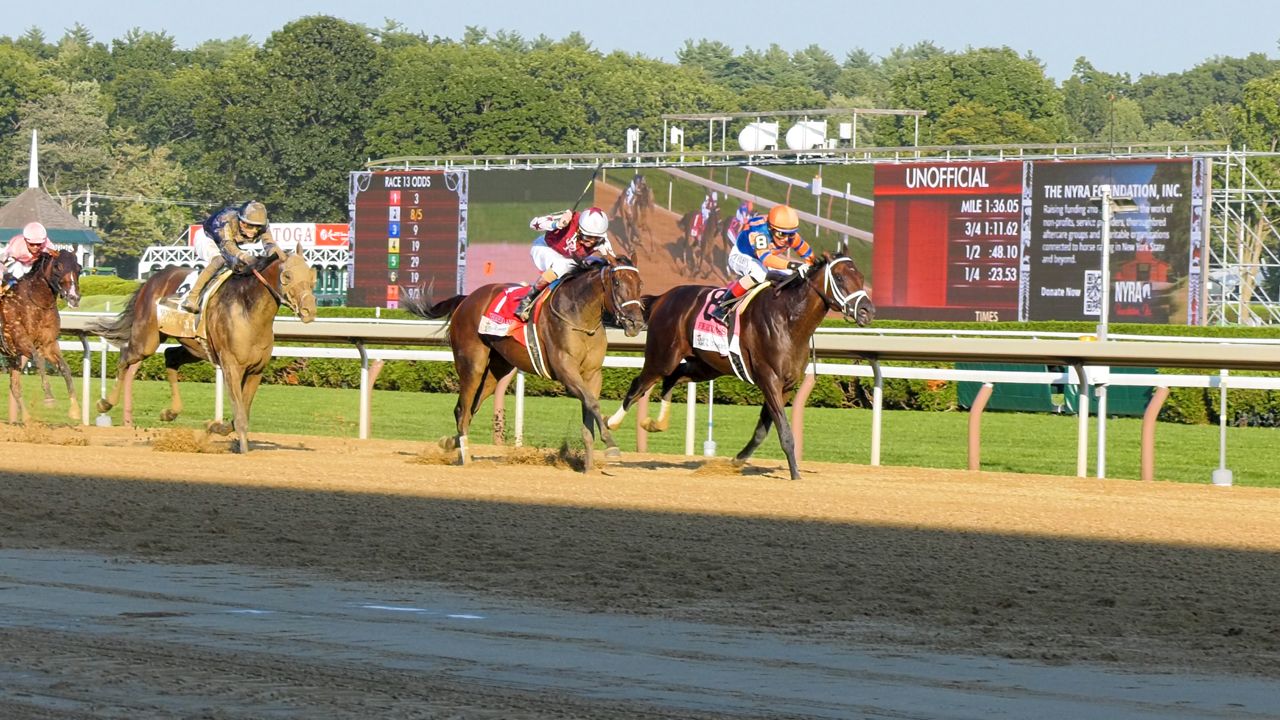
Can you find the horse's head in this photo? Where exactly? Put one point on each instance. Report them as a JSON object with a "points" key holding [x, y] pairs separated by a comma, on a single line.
{"points": [[842, 287], [621, 280], [297, 283], [61, 271]]}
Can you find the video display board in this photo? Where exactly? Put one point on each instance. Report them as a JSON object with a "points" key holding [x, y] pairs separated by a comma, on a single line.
{"points": [[947, 240], [1156, 248], [991, 241], [408, 229]]}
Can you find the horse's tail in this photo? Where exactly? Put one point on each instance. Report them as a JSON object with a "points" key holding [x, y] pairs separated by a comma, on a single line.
{"points": [[120, 328], [424, 308]]}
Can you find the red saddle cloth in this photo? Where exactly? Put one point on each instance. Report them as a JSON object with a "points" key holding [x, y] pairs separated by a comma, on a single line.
{"points": [[500, 317]]}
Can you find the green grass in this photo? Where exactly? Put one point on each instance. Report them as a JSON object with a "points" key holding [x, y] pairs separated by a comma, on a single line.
{"points": [[1026, 443]]}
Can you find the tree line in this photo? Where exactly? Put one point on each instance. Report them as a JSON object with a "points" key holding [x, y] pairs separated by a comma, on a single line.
{"points": [[149, 123]]}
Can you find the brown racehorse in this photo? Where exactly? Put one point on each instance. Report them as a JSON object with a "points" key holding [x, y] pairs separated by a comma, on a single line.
{"points": [[29, 325], [631, 214], [238, 326], [775, 331], [570, 325], [699, 240]]}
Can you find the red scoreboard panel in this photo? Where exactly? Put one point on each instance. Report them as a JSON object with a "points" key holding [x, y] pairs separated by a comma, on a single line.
{"points": [[947, 240], [409, 229]]}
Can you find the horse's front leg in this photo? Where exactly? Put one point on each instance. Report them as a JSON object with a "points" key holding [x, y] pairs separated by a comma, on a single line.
{"points": [[775, 402], [17, 408], [761, 432], [43, 373], [578, 387], [73, 410]]}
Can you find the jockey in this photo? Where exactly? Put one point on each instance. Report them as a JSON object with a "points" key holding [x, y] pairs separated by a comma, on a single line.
{"points": [[568, 238], [762, 246], [709, 203], [21, 253], [230, 228]]}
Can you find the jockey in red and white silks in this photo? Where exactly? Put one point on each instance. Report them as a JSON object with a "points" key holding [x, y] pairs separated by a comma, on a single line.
{"points": [[567, 239]]}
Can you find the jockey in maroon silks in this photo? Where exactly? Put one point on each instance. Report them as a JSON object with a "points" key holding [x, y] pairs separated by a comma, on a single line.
{"points": [[568, 239]]}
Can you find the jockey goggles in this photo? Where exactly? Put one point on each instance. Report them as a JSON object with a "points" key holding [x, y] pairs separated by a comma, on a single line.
{"points": [[783, 233]]}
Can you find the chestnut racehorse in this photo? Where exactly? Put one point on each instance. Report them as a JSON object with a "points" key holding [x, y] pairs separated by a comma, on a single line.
{"points": [[29, 326], [570, 326]]}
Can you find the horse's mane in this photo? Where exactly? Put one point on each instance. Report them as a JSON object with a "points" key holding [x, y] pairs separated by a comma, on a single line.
{"points": [[242, 285], [583, 268]]}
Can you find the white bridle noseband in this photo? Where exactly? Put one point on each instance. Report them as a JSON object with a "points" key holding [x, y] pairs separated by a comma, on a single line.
{"points": [[620, 306], [830, 286]]}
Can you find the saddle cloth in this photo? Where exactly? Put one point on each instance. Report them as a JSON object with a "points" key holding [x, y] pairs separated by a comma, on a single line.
{"points": [[176, 322], [499, 320], [715, 336]]}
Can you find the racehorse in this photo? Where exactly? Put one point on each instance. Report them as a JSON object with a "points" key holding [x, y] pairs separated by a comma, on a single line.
{"points": [[239, 333], [775, 329], [29, 325], [631, 211], [699, 240], [570, 326]]}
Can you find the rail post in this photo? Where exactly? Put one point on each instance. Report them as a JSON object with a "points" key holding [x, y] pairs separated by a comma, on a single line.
{"points": [[1158, 396], [1082, 427], [691, 420], [86, 378], [797, 410], [975, 425], [364, 390], [877, 410]]}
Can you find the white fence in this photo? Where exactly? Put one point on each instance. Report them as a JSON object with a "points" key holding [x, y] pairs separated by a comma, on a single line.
{"points": [[1087, 365]]}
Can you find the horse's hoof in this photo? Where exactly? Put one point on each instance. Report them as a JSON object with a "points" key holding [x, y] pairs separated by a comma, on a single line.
{"points": [[613, 453], [104, 406], [651, 426], [168, 415], [219, 428], [48, 402], [738, 462], [448, 443], [612, 425]]}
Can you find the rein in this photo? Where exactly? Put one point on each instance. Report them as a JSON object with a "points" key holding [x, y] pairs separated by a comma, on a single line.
{"points": [[611, 300], [274, 293], [842, 298]]}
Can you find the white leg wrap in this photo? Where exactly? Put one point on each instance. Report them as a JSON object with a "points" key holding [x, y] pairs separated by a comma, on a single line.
{"points": [[616, 419]]}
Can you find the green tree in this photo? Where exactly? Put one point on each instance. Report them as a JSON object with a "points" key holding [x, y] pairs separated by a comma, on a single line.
{"points": [[320, 73], [1178, 97], [130, 226], [990, 77], [75, 148], [1088, 99]]}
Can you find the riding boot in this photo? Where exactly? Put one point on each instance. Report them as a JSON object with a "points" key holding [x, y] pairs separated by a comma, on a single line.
{"points": [[722, 307], [191, 303], [525, 308]]}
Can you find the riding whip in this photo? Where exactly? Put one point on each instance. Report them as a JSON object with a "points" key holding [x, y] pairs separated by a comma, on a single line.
{"points": [[587, 189]]}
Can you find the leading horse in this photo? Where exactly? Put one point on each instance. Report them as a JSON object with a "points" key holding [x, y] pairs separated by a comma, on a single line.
{"points": [[239, 333], [570, 326], [775, 328], [30, 325]]}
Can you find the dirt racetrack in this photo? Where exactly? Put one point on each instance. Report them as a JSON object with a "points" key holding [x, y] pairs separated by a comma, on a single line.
{"points": [[1059, 570]]}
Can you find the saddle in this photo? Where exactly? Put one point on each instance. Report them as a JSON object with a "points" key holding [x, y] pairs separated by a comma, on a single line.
{"points": [[176, 322]]}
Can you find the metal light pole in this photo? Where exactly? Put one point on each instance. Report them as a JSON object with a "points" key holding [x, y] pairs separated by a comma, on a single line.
{"points": [[1110, 206]]}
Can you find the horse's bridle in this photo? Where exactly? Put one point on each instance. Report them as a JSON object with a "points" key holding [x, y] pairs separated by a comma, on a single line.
{"points": [[836, 293], [279, 296], [612, 289]]}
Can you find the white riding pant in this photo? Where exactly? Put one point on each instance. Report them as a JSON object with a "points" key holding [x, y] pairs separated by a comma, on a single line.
{"points": [[741, 264], [544, 258]]}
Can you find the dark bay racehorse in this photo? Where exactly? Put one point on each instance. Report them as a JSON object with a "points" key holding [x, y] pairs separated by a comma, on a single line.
{"points": [[238, 326], [775, 331], [29, 325], [571, 327]]}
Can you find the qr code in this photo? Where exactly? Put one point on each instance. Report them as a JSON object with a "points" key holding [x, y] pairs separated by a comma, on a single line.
{"points": [[1093, 292]]}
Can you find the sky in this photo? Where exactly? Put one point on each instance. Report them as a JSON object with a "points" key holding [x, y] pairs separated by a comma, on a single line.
{"points": [[1136, 37]]}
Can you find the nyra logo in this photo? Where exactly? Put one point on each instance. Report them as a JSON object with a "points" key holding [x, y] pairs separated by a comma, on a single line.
{"points": [[1133, 292]]}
